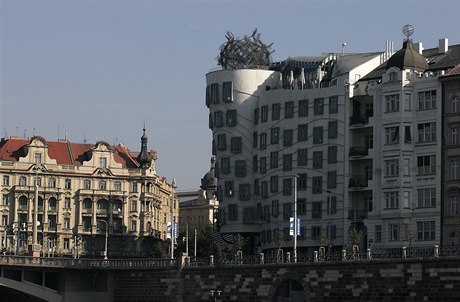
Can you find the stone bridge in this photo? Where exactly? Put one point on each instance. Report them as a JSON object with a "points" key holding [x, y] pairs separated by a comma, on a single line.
{"points": [[403, 279]]}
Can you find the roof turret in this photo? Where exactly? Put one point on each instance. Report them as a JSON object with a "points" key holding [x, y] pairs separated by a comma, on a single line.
{"points": [[407, 57], [144, 158]]}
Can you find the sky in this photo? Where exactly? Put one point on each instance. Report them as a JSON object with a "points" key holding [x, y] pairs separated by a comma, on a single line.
{"points": [[98, 70]]}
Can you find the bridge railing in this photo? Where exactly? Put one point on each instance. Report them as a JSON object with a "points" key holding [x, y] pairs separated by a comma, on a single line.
{"points": [[84, 263], [322, 255]]}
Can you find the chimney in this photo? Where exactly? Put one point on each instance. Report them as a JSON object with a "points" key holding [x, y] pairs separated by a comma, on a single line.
{"points": [[443, 45], [419, 47]]}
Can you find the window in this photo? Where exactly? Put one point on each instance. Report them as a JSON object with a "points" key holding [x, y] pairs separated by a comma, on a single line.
{"points": [[227, 89], [427, 100], [332, 154], [263, 141], [315, 232], [52, 182], [274, 159], [228, 188], [426, 230], [378, 233], [4, 220], [454, 205], [454, 169], [406, 199], [102, 185], [256, 116], [215, 93], [332, 205], [289, 110], [225, 165], [407, 135], [5, 200], [301, 206], [133, 205], [392, 103], [317, 159], [231, 118], [391, 135], [68, 183], [317, 135], [222, 142], [287, 210], [236, 144], [332, 232], [333, 104], [454, 135], [6, 180], [133, 225], [264, 114], [102, 162], [22, 181], [302, 157], [263, 165], [274, 137], [38, 181], [134, 187], [302, 132], [255, 163], [391, 167], [66, 244], [454, 104], [66, 203], [276, 108], [317, 184], [426, 132], [302, 182], [264, 189], [240, 168], [426, 164], [245, 191], [394, 232], [369, 141], [303, 108], [287, 162], [426, 198], [332, 129], [218, 119], [274, 184], [318, 107], [287, 138], [117, 186], [66, 223], [316, 210], [38, 158], [287, 186], [392, 200], [275, 208], [332, 179]]}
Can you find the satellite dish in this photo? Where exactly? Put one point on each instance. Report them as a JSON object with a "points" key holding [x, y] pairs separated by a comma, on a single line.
{"points": [[408, 30]]}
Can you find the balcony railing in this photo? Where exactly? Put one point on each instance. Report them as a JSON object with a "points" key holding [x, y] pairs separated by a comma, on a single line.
{"points": [[358, 181], [359, 151]]}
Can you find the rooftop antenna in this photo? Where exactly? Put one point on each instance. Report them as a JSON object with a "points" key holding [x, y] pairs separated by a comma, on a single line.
{"points": [[408, 30], [25, 133], [344, 44], [84, 138]]}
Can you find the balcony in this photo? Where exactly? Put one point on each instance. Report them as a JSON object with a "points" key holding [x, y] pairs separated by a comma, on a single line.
{"points": [[359, 151], [361, 119], [357, 215], [358, 181]]}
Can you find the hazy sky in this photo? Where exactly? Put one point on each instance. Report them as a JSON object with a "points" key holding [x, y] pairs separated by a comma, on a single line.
{"points": [[97, 69]]}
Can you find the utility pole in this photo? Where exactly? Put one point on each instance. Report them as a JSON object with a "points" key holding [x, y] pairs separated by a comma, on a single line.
{"points": [[172, 217]]}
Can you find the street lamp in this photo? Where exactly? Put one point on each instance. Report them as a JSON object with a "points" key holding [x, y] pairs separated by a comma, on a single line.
{"points": [[106, 238], [215, 294]]}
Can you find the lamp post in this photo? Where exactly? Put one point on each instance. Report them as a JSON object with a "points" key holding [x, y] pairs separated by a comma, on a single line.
{"points": [[106, 238], [295, 219], [173, 185]]}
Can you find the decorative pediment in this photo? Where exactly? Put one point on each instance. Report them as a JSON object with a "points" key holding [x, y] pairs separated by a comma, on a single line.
{"points": [[102, 172], [38, 168]]}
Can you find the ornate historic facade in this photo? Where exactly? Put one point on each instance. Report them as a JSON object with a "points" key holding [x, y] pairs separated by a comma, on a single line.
{"points": [[83, 189]]}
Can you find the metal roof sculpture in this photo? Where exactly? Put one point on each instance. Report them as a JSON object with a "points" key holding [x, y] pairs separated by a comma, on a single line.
{"points": [[248, 52]]}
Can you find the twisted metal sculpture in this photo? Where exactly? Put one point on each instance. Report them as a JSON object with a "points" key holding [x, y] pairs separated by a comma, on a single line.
{"points": [[242, 53]]}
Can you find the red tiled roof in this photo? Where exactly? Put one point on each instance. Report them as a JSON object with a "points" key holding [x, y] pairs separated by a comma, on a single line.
{"points": [[65, 153]]}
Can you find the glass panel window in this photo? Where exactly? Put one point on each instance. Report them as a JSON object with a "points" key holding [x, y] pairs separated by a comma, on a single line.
{"points": [[231, 118], [332, 129], [301, 206], [22, 181], [255, 139], [117, 186], [102, 162], [215, 93], [52, 182], [287, 210], [317, 159], [275, 133], [263, 141], [378, 233], [274, 184], [276, 108], [87, 184], [6, 180], [38, 181], [274, 159], [68, 184], [288, 138], [227, 95], [318, 107], [228, 188], [333, 104], [289, 109], [302, 132], [38, 158], [426, 132], [264, 113], [426, 230], [454, 169], [332, 154], [394, 232], [303, 108], [392, 103], [317, 184], [133, 225], [317, 135], [391, 167], [454, 135], [454, 104], [66, 203], [287, 162], [236, 145], [426, 164], [218, 119], [256, 116], [102, 185], [427, 100], [287, 186], [332, 179], [240, 168], [302, 157], [454, 210], [275, 208], [302, 182], [391, 135], [225, 165], [391, 200], [221, 142], [245, 191], [317, 210], [426, 198], [332, 205], [263, 165]]}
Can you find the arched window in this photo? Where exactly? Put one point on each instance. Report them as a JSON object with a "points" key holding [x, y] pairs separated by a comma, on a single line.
{"points": [[87, 204], [23, 203], [52, 204], [118, 206], [102, 205]]}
